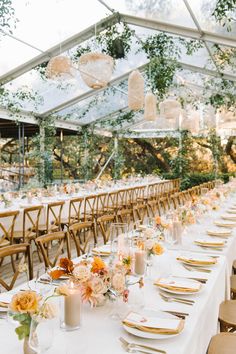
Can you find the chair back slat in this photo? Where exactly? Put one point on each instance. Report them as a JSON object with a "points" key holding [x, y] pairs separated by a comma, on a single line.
{"points": [[55, 243], [31, 221], [54, 211], [7, 225], [15, 251]]}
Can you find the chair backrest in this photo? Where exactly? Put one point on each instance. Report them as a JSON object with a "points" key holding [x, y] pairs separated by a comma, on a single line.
{"points": [[100, 203], [75, 231], [31, 221], [112, 200], [75, 209], [89, 207], [51, 250], [104, 223], [54, 211], [15, 251], [7, 224]]}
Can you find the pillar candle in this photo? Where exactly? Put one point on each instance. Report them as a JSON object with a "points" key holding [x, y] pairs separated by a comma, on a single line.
{"points": [[177, 231], [72, 307], [139, 262], [121, 244]]}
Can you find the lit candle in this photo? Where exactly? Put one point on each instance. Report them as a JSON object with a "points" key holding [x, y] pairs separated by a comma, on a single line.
{"points": [[72, 307], [139, 261], [29, 197]]}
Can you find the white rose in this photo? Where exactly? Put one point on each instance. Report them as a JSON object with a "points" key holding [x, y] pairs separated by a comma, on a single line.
{"points": [[82, 273]]}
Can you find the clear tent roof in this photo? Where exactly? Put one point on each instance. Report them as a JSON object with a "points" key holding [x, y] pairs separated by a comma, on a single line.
{"points": [[46, 25]]}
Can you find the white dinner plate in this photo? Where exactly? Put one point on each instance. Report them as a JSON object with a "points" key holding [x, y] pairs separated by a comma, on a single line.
{"points": [[186, 281], [199, 258], [141, 334]]}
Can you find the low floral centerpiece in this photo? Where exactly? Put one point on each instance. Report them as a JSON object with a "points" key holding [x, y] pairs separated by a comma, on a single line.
{"points": [[96, 280]]}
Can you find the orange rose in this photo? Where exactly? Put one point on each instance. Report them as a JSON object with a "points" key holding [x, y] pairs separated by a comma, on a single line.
{"points": [[157, 249], [25, 301], [97, 265], [66, 264]]}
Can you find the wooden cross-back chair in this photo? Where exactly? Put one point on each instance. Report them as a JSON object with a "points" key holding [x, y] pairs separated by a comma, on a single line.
{"points": [[7, 225], [52, 246], [30, 229], [53, 218], [124, 214], [112, 203], [75, 212], [15, 252], [76, 230], [104, 223]]}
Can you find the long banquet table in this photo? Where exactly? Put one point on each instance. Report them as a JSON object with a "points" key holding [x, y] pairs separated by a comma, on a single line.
{"points": [[100, 334]]}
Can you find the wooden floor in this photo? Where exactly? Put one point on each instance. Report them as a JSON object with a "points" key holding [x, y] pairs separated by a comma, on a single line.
{"points": [[38, 267]]}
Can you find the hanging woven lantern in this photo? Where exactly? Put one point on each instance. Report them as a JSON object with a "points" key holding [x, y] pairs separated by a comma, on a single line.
{"points": [[169, 108], [135, 91], [96, 69], [59, 66], [150, 107], [209, 116], [227, 116], [191, 122]]}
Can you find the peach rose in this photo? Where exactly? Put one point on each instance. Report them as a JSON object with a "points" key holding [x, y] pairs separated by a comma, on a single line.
{"points": [[118, 282], [62, 290], [25, 301], [81, 273], [158, 249]]}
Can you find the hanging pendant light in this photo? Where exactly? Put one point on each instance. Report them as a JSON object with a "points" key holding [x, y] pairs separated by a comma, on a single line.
{"points": [[135, 91], [150, 106], [169, 108], [96, 69], [59, 67]]}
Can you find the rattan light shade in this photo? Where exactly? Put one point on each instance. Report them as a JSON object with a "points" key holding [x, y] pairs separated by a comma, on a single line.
{"points": [[135, 91], [169, 108], [58, 67], [96, 69], [150, 107]]}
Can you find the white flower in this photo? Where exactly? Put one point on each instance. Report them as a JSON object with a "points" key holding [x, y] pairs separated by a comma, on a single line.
{"points": [[118, 282], [82, 273], [97, 286], [149, 244], [149, 233]]}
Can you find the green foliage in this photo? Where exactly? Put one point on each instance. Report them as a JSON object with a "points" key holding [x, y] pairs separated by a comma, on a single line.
{"points": [[23, 330], [224, 12], [160, 74], [116, 40], [7, 16]]}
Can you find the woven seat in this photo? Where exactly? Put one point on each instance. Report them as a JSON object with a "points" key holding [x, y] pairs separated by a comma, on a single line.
{"points": [[227, 316], [19, 235], [222, 343]]}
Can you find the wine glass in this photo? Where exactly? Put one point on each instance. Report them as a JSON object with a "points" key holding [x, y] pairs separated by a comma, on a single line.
{"points": [[42, 284]]}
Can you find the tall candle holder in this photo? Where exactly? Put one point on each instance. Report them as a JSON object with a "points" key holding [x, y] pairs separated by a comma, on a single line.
{"points": [[71, 308]]}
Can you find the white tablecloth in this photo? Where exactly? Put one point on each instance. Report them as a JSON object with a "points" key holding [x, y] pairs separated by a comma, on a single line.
{"points": [[99, 334]]}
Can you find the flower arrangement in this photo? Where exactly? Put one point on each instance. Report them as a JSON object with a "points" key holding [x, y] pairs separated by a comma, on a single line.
{"points": [[160, 225], [96, 280], [28, 304], [186, 216], [154, 248]]}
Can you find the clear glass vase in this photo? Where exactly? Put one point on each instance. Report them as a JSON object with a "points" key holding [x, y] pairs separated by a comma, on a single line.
{"points": [[41, 335]]}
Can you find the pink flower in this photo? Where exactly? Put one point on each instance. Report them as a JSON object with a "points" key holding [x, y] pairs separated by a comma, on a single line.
{"points": [[118, 282], [125, 295]]}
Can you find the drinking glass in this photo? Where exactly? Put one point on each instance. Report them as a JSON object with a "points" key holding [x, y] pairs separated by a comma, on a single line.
{"points": [[42, 284], [119, 238], [41, 334]]}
